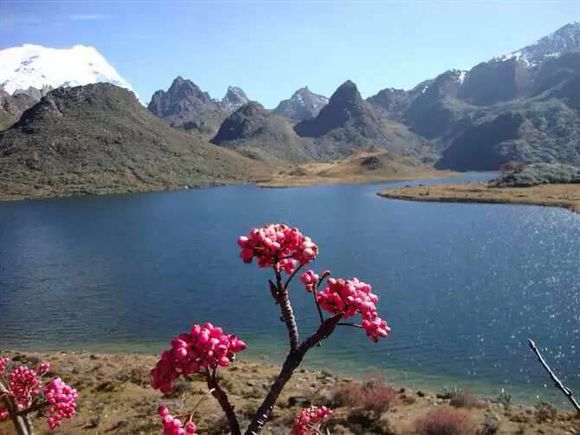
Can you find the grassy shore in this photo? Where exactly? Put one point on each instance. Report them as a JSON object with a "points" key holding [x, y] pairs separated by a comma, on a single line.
{"points": [[553, 195], [361, 167], [284, 180], [115, 397]]}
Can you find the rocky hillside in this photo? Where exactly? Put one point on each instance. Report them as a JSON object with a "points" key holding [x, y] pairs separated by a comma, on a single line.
{"points": [[12, 107], [539, 173], [98, 139], [304, 104], [261, 135], [523, 106]]}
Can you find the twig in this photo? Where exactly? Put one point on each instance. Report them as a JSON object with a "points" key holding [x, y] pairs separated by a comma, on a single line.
{"points": [[293, 274], [354, 325], [321, 317], [557, 382]]}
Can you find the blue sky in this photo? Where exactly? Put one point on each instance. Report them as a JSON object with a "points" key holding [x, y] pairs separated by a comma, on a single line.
{"points": [[271, 48]]}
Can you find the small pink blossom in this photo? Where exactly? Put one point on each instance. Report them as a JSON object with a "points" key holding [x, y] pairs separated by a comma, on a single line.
{"points": [[173, 426], [42, 369], [308, 421], [205, 347], [309, 279]]}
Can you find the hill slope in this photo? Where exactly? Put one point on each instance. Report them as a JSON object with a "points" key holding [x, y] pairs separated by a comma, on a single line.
{"points": [[98, 139], [259, 134]]}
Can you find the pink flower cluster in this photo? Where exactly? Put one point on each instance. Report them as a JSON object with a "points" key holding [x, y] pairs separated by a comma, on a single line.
{"points": [[309, 419], [173, 426], [62, 400], [350, 297], [42, 369], [278, 246], [204, 347], [25, 387]]}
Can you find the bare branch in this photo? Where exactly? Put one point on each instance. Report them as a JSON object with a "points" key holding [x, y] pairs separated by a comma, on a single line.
{"points": [[224, 402], [292, 362], [287, 312], [557, 382]]}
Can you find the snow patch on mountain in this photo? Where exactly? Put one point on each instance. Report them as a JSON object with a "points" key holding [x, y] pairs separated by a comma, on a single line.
{"points": [[564, 40], [234, 99], [35, 66]]}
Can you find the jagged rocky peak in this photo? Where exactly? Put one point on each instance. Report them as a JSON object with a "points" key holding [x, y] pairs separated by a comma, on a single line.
{"points": [[347, 93], [181, 89], [304, 104], [234, 99], [185, 105], [345, 105]]}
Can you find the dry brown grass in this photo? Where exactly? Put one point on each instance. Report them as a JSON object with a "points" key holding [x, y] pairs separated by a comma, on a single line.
{"points": [[446, 421], [464, 399], [361, 167], [554, 195], [372, 395]]}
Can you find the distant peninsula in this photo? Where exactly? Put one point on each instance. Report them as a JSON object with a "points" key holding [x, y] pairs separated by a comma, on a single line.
{"points": [[551, 185]]}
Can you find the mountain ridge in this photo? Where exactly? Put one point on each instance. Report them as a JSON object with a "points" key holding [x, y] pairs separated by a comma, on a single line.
{"points": [[98, 138]]}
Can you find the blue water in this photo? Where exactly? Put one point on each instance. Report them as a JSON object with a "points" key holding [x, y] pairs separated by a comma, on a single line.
{"points": [[462, 285]]}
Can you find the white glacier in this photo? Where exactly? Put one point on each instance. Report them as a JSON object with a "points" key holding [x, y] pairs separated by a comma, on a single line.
{"points": [[40, 67]]}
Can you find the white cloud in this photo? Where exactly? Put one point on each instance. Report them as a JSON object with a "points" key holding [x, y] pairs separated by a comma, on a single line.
{"points": [[86, 17]]}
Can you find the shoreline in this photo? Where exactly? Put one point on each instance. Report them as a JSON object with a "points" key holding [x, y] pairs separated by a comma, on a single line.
{"points": [[115, 396], [547, 195], [398, 376], [269, 183]]}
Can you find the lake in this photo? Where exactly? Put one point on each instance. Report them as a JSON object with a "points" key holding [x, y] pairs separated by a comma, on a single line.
{"points": [[463, 286]]}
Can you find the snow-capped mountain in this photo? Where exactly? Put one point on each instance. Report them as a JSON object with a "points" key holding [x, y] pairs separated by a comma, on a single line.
{"points": [[304, 104], [35, 66], [564, 40], [234, 99]]}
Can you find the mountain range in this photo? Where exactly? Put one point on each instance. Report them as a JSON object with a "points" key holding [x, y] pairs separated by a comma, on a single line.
{"points": [[522, 106]]}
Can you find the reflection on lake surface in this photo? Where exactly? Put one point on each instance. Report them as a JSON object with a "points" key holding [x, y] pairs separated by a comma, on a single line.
{"points": [[462, 285]]}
